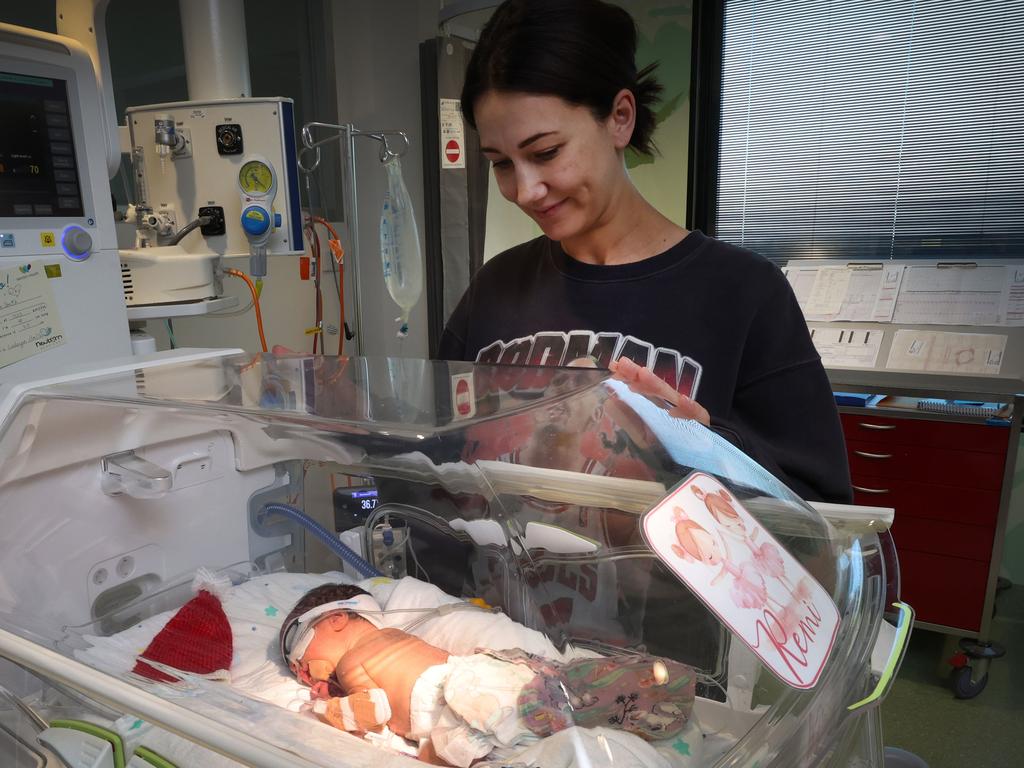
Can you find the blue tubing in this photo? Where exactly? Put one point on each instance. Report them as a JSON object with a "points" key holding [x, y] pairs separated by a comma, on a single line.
{"points": [[332, 542]]}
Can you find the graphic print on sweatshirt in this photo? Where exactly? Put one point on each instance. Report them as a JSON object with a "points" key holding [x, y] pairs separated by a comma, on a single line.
{"points": [[553, 348]]}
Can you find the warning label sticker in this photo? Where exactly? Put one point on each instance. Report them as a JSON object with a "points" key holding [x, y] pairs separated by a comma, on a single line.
{"points": [[453, 134]]}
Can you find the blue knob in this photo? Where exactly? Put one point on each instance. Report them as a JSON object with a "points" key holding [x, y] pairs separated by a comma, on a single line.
{"points": [[77, 243], [277, 221], [255, 220]]}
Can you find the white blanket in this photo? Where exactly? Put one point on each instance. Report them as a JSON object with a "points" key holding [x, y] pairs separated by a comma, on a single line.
{"points": [[257, 607]]}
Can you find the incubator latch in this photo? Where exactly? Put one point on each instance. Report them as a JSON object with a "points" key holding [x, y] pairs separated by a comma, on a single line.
{"points": [[131, 474]]}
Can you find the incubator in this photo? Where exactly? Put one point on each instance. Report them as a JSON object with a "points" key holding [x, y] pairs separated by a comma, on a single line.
{"points": [[513, 509]]}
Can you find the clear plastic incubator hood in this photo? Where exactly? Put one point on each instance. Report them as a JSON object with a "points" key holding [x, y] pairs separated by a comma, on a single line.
{"points": [[558, 574]]}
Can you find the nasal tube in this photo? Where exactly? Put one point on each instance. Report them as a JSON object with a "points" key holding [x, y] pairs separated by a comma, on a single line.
{"points": [[332, 542]]}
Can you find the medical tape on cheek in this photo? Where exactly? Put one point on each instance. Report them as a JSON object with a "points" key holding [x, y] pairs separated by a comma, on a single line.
{"points": [[305, 637]]}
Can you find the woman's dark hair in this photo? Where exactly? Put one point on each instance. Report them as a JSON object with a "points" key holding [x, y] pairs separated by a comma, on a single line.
{"points": [[583, 51]]}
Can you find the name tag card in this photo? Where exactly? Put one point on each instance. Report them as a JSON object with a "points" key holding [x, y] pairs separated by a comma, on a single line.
{"points": [[747, 579]]}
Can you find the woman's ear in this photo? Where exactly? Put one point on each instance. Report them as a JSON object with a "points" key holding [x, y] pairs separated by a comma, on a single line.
{"points": [[622, 119]]}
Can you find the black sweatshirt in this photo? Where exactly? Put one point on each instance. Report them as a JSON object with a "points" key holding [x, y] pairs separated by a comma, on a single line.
{"points": [[718, 322]]}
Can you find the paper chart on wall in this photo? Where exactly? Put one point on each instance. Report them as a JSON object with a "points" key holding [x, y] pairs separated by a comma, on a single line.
{"points": [[817, 290], [1014, 314], [749, 581], [888, 292], [828, 292], [847, 347], [861, 293], [952, 295], [869, 292], [802, 282], [29, 323], [939, 351]]}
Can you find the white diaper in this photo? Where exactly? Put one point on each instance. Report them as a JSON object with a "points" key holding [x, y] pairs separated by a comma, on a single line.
{"points": [[427, 701], [469, 706]]}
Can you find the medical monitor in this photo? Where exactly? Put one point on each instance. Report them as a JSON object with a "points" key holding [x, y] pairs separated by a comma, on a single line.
{"points": [[38, 165], [61, 299]]}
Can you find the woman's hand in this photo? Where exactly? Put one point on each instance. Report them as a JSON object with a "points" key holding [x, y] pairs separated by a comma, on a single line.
{"points": [[643, 381]]}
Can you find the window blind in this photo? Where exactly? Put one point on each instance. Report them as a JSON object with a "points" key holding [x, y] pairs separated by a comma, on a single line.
{"points": [[872, 128]]}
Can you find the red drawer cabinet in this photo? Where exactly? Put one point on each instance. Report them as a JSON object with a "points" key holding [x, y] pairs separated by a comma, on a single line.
{"points": [[923, 432], [946, 591], [945, 480], [929, 501], [938, 537], [925, 463]]}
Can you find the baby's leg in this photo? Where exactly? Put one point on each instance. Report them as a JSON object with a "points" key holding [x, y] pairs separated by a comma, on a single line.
{"points": [[644, 695]]}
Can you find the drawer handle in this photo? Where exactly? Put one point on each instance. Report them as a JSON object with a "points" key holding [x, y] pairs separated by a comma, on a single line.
{"points": [[870, 490], [867, 455], [881, 427]]}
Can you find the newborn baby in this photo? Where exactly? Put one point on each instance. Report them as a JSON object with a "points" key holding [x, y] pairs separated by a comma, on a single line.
{"points": [[459, 708]]}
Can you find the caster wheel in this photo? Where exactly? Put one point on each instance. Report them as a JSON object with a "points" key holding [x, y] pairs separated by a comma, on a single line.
{"points": [[964, 687]]}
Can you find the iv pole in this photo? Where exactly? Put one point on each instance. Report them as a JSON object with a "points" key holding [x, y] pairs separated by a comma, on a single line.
{"points": [[347, 134]]}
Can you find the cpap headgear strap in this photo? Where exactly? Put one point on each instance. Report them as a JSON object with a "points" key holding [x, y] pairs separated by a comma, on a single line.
{"points": [[302, 629]]}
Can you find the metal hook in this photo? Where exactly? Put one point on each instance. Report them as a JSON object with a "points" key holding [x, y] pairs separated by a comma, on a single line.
{"points": [[387, 152], [316, 159]]}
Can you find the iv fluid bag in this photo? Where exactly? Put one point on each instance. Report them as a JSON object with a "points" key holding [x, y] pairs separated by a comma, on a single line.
{"points": [[400, 245]]}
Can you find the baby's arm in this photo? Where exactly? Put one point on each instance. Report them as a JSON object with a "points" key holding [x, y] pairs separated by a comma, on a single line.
{"points": [[363, 711]]}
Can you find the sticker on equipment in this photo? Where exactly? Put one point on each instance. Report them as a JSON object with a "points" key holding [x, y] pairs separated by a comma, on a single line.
{"points": [[747, 579], [453, 134], [463, 397]]}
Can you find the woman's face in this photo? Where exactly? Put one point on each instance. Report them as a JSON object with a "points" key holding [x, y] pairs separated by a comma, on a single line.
{"points": [[555, 160]]}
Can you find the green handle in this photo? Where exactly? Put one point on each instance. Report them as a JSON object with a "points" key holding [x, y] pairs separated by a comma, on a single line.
{"points": [[151, 757], [99, 732], [892, 664]]}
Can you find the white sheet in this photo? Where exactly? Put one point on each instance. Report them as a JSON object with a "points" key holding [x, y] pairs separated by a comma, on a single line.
{"points": [[256, 608]]}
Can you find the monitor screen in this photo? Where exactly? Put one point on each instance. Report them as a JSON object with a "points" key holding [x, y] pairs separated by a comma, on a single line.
{"points": [[353, 505], [38, 169]]}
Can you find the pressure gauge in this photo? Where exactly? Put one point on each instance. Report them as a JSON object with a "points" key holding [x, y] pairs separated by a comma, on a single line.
{"points": [[256, 178], [257, 183]]}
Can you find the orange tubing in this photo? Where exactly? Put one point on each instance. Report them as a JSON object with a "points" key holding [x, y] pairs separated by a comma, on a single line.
{"points": [[339, 256], [255, 303], [327, 225]]}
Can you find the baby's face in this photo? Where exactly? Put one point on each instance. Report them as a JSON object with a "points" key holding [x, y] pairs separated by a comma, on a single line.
{"points": [[326, 649]]}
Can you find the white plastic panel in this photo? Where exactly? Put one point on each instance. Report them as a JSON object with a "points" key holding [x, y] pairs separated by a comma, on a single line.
{"points": [[204, 177]]}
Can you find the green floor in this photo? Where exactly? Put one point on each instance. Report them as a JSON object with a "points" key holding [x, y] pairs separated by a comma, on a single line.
{"points": [[922, 716]]}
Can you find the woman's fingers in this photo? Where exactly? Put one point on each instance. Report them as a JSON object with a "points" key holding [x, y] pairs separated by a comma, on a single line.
{"points": [[642, 380], [645, 382], [691, 409]]}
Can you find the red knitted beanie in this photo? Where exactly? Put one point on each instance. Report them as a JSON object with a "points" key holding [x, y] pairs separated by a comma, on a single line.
{"points": [[197, 639]]}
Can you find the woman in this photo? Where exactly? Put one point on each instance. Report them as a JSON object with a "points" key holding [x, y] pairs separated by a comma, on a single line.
{"points": [[553, 90]]}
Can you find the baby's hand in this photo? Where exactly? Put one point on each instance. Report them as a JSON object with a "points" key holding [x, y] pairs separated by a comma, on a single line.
{"points": [[363, 711], [319, 690]]}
